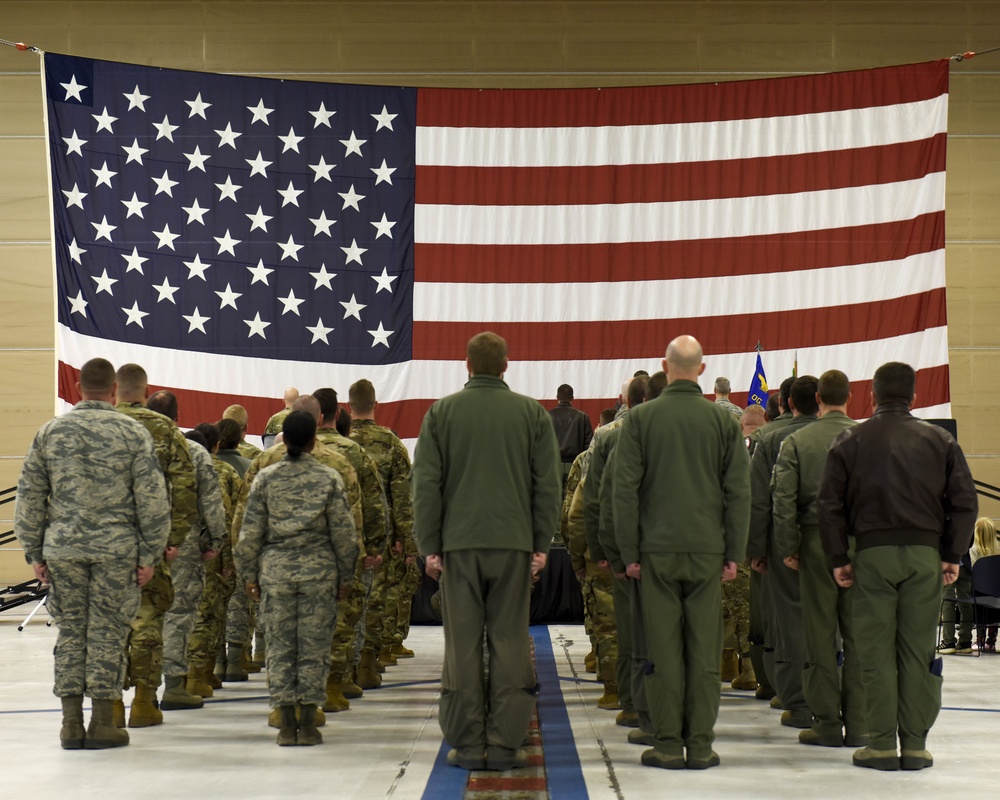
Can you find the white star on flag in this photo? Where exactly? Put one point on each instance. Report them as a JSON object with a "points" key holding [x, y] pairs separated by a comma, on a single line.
{"points": [[228, 189], [351, 198], [322, 224], [136, 99], [195, 212], [104, 283], [291, 303], [322, 170], [196, 268], [166, 238], [291, 141], [354, 252], [196, 321], [384, 119], [104, 121], [75, 251], [134, 152], [102, 229], [227, 138], [73, 89], [74, 197], [164, 130], [166, 291], [353, 308], [260, 114], [134, 206], [257, 326], [258, 166], [290, 195], [322, 116], [104, 176], [228, 297], [380, 336], [383, 174], [134, 261], [196, 160], [260, 273], [227, 244], [289, 249], [79, 305], [319, 331], [353, 145], [164, 185], [74, 144], [383, 227], [323, 277], [259, 220], [135, 315], [198, 107], [384, 281]]}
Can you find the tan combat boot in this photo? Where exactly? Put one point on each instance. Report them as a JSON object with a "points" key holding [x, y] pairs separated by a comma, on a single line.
{"points": [[308, 734], [335, 700], [118, 713], [590, 662], [609, 700], [386, 658], [71, 734], [176, 697], [747, 679], [102, 732], [287, 725], [144, 709], [730, 666], [368, 677], [274, 718], [197, 681], [400, 651]]}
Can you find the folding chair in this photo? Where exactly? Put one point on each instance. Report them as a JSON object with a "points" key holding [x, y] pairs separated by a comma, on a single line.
{"points": [[985, 596]]}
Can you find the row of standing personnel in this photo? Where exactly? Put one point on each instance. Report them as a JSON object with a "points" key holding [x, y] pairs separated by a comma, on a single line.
{"points": [[123, 517], [850, 531]]}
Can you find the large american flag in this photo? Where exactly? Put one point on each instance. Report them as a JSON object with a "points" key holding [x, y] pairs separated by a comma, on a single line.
{"points": [[238, 235]]}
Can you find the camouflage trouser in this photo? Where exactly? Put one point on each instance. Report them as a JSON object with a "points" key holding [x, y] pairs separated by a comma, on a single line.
{"points": [[145, 642], [602, 616], [299, 618], [209, 626], [360, 642], [408, 588], [93, 602], [187, 572], [736, 611], [342, 646], [375, 610], [238, 615], [587, 590]]}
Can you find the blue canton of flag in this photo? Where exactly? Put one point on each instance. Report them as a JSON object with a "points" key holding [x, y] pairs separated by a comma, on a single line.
{"points": [[232, 215], [758, 386]]}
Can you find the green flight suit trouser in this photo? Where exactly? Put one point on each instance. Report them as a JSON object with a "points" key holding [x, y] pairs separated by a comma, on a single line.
{"points": [[623, 663], [486, 591], [895, 620], [760, 611], [835, 696], [786, 633], [682, 603], [640, 657]]}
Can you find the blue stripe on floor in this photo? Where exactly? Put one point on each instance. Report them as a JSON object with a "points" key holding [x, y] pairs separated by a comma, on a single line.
{"points": [[563, 773], [444, 780]]}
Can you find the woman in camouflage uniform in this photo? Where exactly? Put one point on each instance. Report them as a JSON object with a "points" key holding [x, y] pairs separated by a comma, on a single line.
{"points": [[297, 550]]}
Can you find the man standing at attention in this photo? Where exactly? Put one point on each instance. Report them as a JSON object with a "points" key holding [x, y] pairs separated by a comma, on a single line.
{"points": [[901, 488], [572, 426], [681, 503], [722, 390], [93, 518], [486, 499]]}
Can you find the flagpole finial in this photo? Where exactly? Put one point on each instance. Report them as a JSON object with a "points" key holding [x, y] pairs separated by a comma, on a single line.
{"points": [[759, 348]]}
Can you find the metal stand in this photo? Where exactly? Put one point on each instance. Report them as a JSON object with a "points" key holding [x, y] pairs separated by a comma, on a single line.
{"points": [[34, 611]]}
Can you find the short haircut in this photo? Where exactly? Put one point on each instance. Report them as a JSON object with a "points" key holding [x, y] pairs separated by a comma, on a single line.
{"points": [[894, 382], [163, 402], [211, 434], [97, 376], [834, 388], [657, 383], [361, 396], [327, 403], [310, 405], [607, 415], [639, 373], [637, 390], [230, 433], [131, 379], [722, 386], [238, 414], [753, 417], [771, 410], [344, 422], [298, 429], [197, 436], [564, 393], [487, 354], [784, 391], [803, 394]]}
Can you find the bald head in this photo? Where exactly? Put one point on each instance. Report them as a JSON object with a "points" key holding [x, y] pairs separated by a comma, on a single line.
{"points": [[309, 404], [291, 395], [683, 359]]}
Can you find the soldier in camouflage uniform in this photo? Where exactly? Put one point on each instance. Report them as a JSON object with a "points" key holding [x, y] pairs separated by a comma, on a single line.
{"points": [[207, 635], [203, 545], [576, 545], [297, 551], [736, 664], [401, 572], [239, 415], [351, 646], [146, 641], [328, 457], [93, 518], [273, 426]]}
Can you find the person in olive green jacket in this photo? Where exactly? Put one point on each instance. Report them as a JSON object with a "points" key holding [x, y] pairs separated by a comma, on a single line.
{"points": [[681, 502], [836, 701], [487, 485]]}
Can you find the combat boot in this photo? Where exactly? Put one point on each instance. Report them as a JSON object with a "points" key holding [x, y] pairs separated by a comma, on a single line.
{"points": [[335, 700], [144, 709], [246, 661], [287, 727], [386, 658], [71, 734], [350, 688], [609, 700], [400, 651], [368, 677], [308, 734], [747, 679], [176, 697], [234, 659], [208, 675], [730, 666], [118, 713], [590, 662], [274, 718], [101, 732], [197, 681]]}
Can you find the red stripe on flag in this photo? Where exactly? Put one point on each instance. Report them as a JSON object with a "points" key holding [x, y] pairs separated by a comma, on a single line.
{"points": [[655, 105], [661, 183], [695, 258], [801, 328], [195, 407]]}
